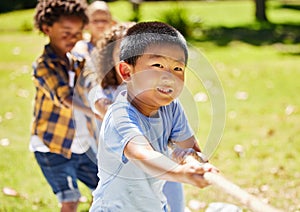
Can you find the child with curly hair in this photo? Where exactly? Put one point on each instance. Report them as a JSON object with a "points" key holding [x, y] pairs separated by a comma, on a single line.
{"points": [[105, 58], [62, 130]]}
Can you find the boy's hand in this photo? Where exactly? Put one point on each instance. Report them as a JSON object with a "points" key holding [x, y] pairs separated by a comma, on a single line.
{"points": [[206, 167], [194, 171], [179, 155]]}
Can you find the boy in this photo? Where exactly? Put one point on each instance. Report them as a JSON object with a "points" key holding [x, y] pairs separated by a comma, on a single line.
{"points": [[63, 154], [100, 19], [106, 57], [133, 155]]}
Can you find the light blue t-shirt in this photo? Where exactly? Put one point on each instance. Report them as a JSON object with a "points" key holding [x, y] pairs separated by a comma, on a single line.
{"points": [[123, 186]]}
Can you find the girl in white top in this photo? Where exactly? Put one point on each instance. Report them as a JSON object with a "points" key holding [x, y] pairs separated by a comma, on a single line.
{"points": [[104, 60]]}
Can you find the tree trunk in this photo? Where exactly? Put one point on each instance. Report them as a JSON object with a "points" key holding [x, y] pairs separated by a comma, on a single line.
{"points": [[136, 9], [260, 10]]}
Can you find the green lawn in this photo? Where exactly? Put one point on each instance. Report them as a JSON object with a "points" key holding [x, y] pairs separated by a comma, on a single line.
{"points": [[257, 65]]}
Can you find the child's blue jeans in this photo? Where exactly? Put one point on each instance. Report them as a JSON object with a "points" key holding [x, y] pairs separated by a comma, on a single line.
{"points": [[62, 173]]}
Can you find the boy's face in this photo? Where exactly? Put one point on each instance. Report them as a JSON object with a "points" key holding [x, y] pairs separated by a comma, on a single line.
{"points": [[99, 21], [158, 76], [64, 34]]}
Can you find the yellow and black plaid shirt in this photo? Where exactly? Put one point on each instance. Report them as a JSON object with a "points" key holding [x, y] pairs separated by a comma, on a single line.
{"points": [[53, 121]]}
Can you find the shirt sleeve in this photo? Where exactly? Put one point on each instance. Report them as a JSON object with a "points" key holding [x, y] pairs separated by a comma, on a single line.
{"points": [[94, 95], [120, 126], [51, 83], [181, 129]]}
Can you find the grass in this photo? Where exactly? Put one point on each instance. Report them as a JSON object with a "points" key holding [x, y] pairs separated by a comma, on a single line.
{"points": [[265, 122], [17, 20]]}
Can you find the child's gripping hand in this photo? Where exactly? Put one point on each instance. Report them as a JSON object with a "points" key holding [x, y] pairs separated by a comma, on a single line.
{"points": [[193, 172], [205, 166], [179, 155], [194, 165]]}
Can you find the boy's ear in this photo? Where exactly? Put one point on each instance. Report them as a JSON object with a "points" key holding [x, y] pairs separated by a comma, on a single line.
{"points": [[125, 70], [45, 29]]}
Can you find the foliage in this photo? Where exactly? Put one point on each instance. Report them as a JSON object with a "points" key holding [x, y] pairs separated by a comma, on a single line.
{"points": [[17, 21], [180, 21], [6, 6], [255, 34], [26, 26]]}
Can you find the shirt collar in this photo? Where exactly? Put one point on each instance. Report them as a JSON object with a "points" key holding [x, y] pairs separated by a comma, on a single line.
{"points": [[52, 55]]}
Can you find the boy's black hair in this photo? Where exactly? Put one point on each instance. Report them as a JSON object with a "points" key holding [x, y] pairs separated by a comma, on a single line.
{"points": [[144, 34], [49, 11]]}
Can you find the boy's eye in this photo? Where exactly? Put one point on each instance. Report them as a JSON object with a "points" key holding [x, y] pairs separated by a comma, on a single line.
{"points": [[178, 69], [157, 65], [66, 34], [71, 35], [99, 21]]}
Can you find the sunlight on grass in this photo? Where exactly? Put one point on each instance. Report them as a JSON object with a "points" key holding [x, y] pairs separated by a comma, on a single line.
{"points": [[17, 20], [260, 145]]}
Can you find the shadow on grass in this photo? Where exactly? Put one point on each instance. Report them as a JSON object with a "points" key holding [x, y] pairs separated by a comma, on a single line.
{"points": [[257, 34], [291, 6]]}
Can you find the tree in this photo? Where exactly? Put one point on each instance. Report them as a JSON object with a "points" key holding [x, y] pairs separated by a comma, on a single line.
{"points": [[6, 6], [136, 9], [260, 11]]}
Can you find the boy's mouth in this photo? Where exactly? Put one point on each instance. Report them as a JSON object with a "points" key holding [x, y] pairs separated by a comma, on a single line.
{"points": [[165, 90]]}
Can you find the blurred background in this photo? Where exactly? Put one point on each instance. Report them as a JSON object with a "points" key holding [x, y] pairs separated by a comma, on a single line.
{"points": [[252, 47]]}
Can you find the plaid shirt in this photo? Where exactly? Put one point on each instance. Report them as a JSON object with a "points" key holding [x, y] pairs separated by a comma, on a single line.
{"points": [[53, 121]]}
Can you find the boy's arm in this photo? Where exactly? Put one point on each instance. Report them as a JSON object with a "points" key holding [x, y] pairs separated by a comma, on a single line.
{"points": [[187, 147], [140, 152], [189, 143], [76, 103], [101, 105], [98, 101]]}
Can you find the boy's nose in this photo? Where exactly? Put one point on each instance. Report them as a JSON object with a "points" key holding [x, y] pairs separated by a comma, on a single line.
{"points": [[75, 37], [167, 77], [168, 70]]}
